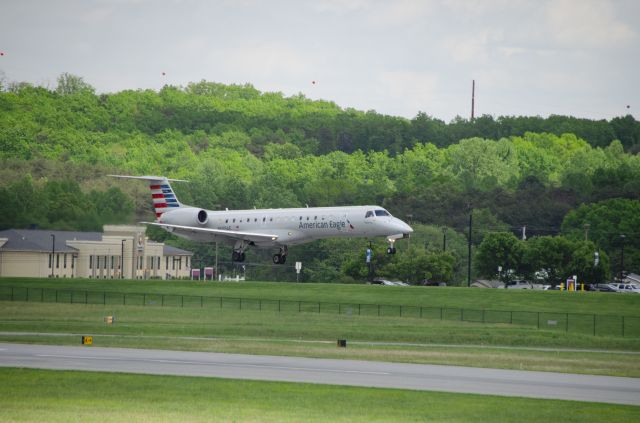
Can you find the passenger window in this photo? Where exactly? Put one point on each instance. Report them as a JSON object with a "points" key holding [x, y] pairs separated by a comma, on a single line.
{"points": [[264, 219], [234, 220], [307, 217], [226, 221], [315, 217], [300, 217]]}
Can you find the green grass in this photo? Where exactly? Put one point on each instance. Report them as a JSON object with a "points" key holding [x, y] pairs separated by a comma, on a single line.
{"points": [[315, 335], [476, 298], [62, 396], [257, 327]]}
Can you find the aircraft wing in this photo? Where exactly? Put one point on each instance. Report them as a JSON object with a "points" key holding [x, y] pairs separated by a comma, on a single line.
{"points": [[236, 235]]}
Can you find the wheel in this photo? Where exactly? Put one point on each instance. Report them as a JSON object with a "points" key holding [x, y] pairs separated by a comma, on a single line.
{"points": [[393, 250], [276, 258], [283, 259]]}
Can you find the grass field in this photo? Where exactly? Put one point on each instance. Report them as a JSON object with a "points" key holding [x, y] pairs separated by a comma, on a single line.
{"points": [[495, 299], [401, 339], [57, 396]]}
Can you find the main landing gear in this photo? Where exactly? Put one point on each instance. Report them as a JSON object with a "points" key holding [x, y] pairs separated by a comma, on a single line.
{"points": [[281, 257], [238, 251]]}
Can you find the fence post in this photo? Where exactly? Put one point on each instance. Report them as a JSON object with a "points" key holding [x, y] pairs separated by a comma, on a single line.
{"points": [[566, 326], [359, 309], [42, 295], [144, 299], [124, 299], [221, 303], [104, 297], [27, 294], [318, 307], [201, 301], [511, 317], [594, 325], [400, 311], [623, 326], [12, 295], [278, 306], [86, 297], [260, 305], [421, 312], [483, 315], [299, 306], [182, 301], [441, 314], [339, 308], [538, 320], [462, 315], [56, 295], [378, 310], [162, 301]]}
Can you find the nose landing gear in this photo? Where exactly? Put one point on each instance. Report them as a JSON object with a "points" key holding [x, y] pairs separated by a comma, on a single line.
{"points": [[391, 249]]}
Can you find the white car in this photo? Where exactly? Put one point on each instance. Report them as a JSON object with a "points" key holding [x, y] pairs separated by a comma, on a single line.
{"points": [[518, 284], [625, 287]]}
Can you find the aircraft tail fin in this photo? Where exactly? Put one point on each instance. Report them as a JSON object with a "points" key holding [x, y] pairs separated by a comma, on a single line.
{"points": [[162, 195]]}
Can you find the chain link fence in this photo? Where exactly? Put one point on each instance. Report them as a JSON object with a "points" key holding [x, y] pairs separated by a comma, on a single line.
{"points": [[592, 324]]}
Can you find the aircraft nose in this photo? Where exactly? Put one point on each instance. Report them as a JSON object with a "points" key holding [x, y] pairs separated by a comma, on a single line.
{"points": [[403, 227]]}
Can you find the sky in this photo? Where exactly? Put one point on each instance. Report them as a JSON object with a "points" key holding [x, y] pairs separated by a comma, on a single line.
{"points": [[397, 57]]}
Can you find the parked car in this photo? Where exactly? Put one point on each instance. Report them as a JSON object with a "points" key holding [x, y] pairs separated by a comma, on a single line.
{"points": [[602, 287], [427, 282], [625, 287], [518, 284]]}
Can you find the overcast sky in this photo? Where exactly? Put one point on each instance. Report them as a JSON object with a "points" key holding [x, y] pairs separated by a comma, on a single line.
{"points": [[571, 57]]}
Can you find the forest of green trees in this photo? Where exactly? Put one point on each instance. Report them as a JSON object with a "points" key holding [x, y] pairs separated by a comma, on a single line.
{"points": [[241, 148]]}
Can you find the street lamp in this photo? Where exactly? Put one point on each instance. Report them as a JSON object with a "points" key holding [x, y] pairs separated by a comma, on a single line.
{"points": [[53, 251], [122, 259], [444, 238], [622, 237]]}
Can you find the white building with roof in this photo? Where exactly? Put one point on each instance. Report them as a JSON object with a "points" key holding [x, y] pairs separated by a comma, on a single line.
{"points": [[119, 252]]}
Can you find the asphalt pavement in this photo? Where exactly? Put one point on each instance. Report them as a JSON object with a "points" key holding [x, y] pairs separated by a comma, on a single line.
{"points": [[563, 386]]}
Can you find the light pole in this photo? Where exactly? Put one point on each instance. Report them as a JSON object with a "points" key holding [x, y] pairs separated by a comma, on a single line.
{"points": [[622, 237], [53, 252], [469, 258], [444, 238], [122, 259]]}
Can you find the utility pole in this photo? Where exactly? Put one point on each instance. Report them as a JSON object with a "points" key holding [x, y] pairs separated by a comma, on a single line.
{"points": [[586, 227], [622, 237], [469, 258], [473, 98], [444, 238], [53, 252]]}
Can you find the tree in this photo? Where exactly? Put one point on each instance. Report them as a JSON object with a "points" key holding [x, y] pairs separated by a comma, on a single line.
{"points": [[550, 258], [500, 249], [71, 84]]}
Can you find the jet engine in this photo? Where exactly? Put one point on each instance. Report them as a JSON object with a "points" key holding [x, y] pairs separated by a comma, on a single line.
{"points": [[203, 217]]}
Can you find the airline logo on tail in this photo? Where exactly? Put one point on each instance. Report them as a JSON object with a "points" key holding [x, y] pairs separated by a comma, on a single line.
{"points": [[163, 197], [162, 194]]}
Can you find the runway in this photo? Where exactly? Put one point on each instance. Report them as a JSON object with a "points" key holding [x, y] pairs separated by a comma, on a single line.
{"points": [[607, 389]]}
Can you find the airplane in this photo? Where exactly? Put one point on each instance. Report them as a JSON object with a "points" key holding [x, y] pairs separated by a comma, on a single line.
{"points": [[268, 228]]}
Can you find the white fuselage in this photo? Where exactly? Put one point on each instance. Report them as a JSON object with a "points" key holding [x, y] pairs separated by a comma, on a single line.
{"points": [[290, 226]]}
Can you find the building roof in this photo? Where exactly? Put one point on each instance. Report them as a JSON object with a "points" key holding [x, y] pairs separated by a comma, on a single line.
{"points": [[41, 240], [168, 250]]}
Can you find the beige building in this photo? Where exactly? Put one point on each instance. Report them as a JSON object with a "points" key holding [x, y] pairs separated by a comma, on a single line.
{"points": [[119, 252]]}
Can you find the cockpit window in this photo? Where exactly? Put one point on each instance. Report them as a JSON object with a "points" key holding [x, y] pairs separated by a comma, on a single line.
{"points": [[382, 213], [369, 214]]}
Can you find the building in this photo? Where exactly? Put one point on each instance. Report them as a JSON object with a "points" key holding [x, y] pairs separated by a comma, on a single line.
{"points": [[119, 252]]}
